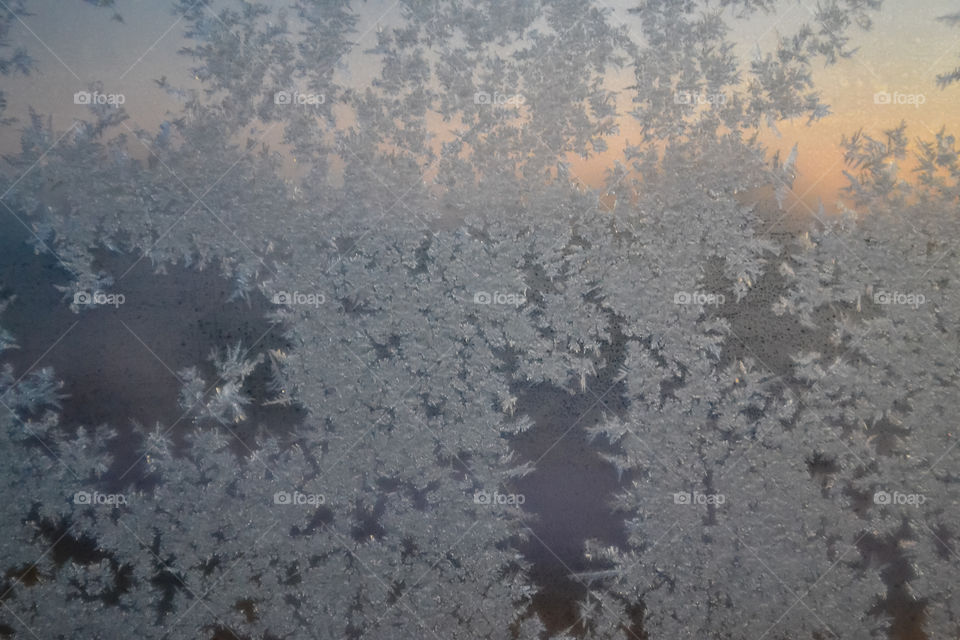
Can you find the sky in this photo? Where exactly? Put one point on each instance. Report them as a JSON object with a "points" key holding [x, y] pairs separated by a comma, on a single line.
{"points": [[903, 52], [75, 44]]}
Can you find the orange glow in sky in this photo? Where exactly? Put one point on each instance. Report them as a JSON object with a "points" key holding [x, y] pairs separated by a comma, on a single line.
{"points": [[900, 58]]}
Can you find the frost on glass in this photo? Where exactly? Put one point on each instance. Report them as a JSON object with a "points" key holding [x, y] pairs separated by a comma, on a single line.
{"points": [[439, 279]]}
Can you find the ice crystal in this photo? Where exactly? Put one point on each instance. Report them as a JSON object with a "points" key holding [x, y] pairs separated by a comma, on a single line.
{"points": [[428, 288]]}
